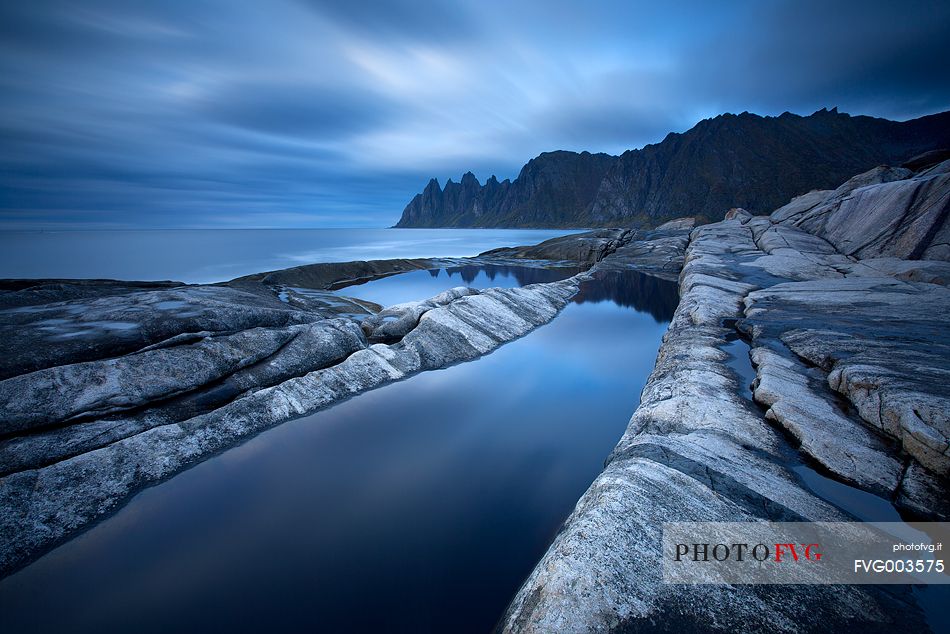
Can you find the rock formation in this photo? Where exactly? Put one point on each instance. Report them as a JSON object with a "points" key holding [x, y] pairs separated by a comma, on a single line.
{"points": [[731, 160], [589, 247], [122, 385], [548, 192], [851, 365]]}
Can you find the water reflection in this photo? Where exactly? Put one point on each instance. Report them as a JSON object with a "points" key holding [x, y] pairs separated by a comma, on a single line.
{"points": [[509, 275], [419, 285], [644, 293], [420, 506]]}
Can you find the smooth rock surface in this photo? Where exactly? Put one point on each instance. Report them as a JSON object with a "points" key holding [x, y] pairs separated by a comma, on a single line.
{"points": [[833, 439], [659, 252], [331, 274], [60, 480], [859, 217], [890, 362], [589, 247], [695, 450], [851, 363]]}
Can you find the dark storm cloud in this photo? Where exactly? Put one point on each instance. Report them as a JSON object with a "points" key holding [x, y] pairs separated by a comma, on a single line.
{"points": [[333, 113], [887, 58]]}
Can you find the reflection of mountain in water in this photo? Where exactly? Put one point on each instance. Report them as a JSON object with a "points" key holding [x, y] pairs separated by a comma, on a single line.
{"points": [[632, 289], [524, 274]]}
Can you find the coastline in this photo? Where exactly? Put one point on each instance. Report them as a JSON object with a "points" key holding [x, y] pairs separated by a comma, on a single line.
{"points": [[695, 449]]}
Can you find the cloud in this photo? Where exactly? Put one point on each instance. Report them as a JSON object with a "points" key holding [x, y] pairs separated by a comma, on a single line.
{"points": [[296, 110], [873, 57], [402, 20], [185, 113]]}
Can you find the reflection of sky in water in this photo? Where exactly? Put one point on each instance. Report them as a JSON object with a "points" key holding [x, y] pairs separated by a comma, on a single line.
{"points": [[203, 256], [420, 285], [418, 506]]}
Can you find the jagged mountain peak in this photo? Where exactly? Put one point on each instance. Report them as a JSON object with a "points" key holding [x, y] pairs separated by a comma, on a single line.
{"points": [[731, 160]]}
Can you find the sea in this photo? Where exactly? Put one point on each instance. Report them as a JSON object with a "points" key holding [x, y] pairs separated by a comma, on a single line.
{"points": [[202, 256]]}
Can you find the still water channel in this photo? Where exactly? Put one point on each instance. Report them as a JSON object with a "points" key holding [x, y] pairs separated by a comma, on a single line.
{"points": [[420, 506]]}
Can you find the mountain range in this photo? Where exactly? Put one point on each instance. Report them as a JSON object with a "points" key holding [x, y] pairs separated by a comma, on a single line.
{"points": [[744, 160]]}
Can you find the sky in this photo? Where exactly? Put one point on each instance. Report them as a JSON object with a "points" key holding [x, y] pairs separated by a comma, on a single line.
{"points": [[310, 113]]}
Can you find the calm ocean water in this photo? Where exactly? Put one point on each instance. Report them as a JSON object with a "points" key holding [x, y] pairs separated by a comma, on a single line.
{"points": [[200, 256]]}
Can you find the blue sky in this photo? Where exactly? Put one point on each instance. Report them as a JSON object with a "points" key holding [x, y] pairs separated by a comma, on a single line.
{"points": [[305, 113]]}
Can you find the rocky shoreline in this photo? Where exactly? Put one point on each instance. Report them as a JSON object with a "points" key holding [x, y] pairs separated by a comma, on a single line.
{"points": [[848, 338], [198, 369], [108, 387]]}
